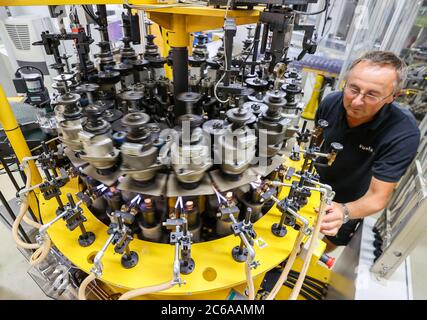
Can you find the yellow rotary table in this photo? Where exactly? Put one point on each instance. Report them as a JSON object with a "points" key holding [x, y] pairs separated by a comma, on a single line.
{"points": [[216, 273]]}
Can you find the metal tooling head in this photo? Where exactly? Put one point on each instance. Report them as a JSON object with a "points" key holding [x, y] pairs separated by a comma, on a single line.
{"points": [[239, 116], [174, 189], [136, 122], [257, 84], [292, 88], [87, 87], [107, 179], [189, 99], [72, 111], [225, 184], [257, 108], [156, 189], [95, 124], [151, 48]]}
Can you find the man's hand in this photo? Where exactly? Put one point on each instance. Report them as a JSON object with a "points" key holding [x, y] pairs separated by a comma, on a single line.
{"points": [[333, 219]]}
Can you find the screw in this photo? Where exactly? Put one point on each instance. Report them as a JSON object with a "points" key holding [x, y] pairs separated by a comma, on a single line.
{"points": [[189, 205], [148, 203]]}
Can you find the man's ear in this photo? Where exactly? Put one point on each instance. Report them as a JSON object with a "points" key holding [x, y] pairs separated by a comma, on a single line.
{"points": [[397, 95]]}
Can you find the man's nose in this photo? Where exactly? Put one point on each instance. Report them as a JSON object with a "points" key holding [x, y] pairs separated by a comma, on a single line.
{"points": [[358, 101]]}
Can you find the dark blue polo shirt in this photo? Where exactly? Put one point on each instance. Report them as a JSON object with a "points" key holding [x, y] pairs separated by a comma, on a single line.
{"points": [[383, 147]]}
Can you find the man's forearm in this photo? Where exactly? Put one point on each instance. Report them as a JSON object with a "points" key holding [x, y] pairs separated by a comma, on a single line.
{"points": [[366, 205]]}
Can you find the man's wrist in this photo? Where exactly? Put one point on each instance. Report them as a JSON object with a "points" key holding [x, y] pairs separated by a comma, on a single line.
{"points": [[346, 213]]}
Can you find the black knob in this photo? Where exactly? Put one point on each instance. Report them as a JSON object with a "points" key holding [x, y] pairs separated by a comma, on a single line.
{"points": [[93, 112], [322, 123], [150, 38], [337, 147]]}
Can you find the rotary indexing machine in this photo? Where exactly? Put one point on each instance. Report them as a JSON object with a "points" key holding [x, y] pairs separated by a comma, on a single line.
{"points": [[177, 188]]}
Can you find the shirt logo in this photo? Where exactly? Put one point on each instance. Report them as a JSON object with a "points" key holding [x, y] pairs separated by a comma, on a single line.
{"points": [[366, 148]]}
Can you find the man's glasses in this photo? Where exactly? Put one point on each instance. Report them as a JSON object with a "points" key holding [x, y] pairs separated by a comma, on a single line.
{"points": [[369, 98]]}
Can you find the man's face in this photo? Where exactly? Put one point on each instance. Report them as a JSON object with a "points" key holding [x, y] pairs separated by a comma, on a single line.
{"points": [[375, 83]]}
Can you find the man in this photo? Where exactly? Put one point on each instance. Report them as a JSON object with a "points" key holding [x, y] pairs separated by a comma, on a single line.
{"points": [[380, 140]]}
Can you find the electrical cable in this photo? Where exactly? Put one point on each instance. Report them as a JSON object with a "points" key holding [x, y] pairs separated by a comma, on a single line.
{"points": [[91, 14], [302, 293], [242, 65], [310, 278], [307, 288], [307, 291], [325, 20], [324, 34], [313, 13], [309, 283], [225, 60]]}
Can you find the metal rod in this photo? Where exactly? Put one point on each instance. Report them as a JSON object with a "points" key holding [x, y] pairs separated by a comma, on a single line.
{"points": [[180, 75], [9, 173], [21, 173], [256, 44], [13, 216], [58, 199], [82, 228], [264, 38]]}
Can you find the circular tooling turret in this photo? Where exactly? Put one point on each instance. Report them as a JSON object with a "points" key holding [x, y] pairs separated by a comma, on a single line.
{"points": [[123, 68], [131, 95], [140, 64], [239, 116], [257, 84], [68, 98], [215, 271], [111, 115], [108, 77], [87, 87], [257, 108], [63, 77], [135, 119]]}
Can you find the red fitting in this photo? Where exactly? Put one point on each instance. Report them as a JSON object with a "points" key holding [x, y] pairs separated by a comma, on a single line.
{"points": [[329, 261]]}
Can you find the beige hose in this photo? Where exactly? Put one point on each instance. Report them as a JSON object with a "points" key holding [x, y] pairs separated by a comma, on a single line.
{"points": [[42, 250], [250, 282], [22, 212], [31, 222], [41, 253], [311, 248], [147, 290], [287, 268], [84, 284]]}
